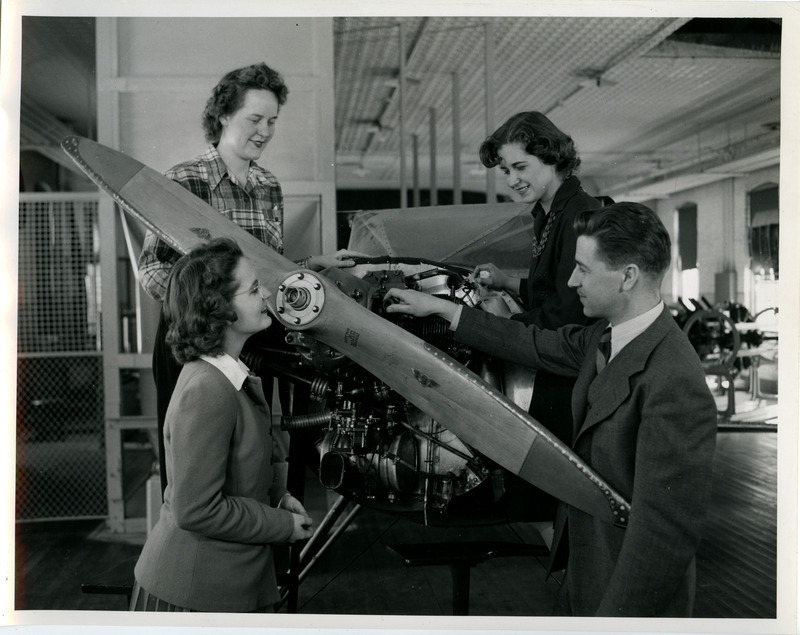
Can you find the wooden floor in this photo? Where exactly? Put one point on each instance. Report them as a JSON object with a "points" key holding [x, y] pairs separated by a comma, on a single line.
{"points": [[359, 574]]}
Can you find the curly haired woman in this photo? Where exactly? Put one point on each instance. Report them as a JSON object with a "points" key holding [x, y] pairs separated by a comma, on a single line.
{"points": [[224, 505]]}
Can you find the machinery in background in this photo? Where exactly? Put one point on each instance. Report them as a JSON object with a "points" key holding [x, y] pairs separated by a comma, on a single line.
{"points": [[729, 339]]}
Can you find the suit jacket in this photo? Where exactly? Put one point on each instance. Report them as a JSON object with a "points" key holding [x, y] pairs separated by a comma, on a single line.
{"points": [[210, 550], [647, 424]]}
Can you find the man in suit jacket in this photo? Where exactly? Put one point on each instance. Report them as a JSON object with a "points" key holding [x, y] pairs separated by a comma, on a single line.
{"points": [[644, 418]]}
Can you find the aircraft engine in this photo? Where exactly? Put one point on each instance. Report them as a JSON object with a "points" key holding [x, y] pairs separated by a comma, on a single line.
{"points": [[374, 446]]}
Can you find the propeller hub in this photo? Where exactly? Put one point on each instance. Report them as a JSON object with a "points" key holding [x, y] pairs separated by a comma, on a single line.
{"points": [[299, 299]]}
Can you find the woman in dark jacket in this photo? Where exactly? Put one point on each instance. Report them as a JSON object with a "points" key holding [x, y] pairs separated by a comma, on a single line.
{"points": [[539, 162]]}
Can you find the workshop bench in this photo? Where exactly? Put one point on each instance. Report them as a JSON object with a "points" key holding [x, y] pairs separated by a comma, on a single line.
{"points": [[461, 557]]}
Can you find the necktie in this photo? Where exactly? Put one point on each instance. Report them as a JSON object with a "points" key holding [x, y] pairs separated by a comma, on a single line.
{"points": [[604, 349]]}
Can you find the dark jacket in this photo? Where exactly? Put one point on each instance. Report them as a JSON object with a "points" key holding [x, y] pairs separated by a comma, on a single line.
{"points": [[548, 301], [647, 425]]}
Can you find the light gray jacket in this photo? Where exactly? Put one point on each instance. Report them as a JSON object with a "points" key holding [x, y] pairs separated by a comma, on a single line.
{"points": [[210, 550]]}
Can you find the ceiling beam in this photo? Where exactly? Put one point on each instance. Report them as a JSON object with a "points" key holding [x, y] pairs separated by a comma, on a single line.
{"points": [[638, 49], [736, 159]]}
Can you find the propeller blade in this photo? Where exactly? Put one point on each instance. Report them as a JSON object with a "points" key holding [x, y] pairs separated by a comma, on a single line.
{"points": [[302, 300]]}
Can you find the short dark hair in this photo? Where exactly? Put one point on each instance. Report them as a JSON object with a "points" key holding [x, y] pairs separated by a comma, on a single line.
{"points": [[628, 233], [228, 95], [197, 302], [539, 136]]}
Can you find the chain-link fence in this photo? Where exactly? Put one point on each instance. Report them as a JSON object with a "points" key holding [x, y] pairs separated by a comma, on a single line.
{"points": [[60, 420]]}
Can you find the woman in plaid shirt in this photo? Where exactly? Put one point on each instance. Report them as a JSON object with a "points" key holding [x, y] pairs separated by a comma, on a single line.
{"points": [[239, 121]]}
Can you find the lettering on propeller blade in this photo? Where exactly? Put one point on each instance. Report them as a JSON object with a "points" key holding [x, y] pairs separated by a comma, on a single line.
{"points": [[201, 232], [351, 337], [424, 379]]}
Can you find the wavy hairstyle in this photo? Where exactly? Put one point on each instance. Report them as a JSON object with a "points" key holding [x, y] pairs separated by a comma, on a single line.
{"points": [[539, 136], [628, 233], [228, 95], [197, 303]]}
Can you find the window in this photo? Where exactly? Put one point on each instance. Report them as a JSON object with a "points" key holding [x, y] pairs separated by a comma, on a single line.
{"points": [[764, 226]]}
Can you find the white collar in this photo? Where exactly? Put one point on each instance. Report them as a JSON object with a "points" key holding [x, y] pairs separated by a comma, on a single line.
{"points": [[234, 369], [624, 333]]}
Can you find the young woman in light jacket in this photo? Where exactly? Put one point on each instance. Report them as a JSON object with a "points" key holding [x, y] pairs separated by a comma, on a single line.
{"points": [[223, 506]]}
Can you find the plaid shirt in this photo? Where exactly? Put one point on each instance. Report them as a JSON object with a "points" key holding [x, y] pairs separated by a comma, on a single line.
{"points": [[257, 208]]}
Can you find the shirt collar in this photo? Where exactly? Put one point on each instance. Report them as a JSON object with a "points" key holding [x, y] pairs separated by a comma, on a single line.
{"points": [[217, 170], [216, 166], [234, 369], [624, 333]]}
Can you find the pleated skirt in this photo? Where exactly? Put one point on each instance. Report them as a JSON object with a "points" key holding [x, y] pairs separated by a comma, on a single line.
{"points": [[143, 600]]}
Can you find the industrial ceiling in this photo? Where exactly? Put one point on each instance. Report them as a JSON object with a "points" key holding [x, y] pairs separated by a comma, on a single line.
{"points": [[646, 100], [653, 104]]}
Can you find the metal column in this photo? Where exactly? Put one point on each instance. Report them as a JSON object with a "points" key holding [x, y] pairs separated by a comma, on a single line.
{"points": [[402, 131], [456, 140], [415, 171], [434, 198]]}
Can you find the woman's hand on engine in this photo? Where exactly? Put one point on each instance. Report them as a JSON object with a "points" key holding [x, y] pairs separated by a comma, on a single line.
{"points": [[418, 304], [338, 260], [491, 277]]}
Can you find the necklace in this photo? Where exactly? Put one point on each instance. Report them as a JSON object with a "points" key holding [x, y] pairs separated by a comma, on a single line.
{"points": [[539, 243]]}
